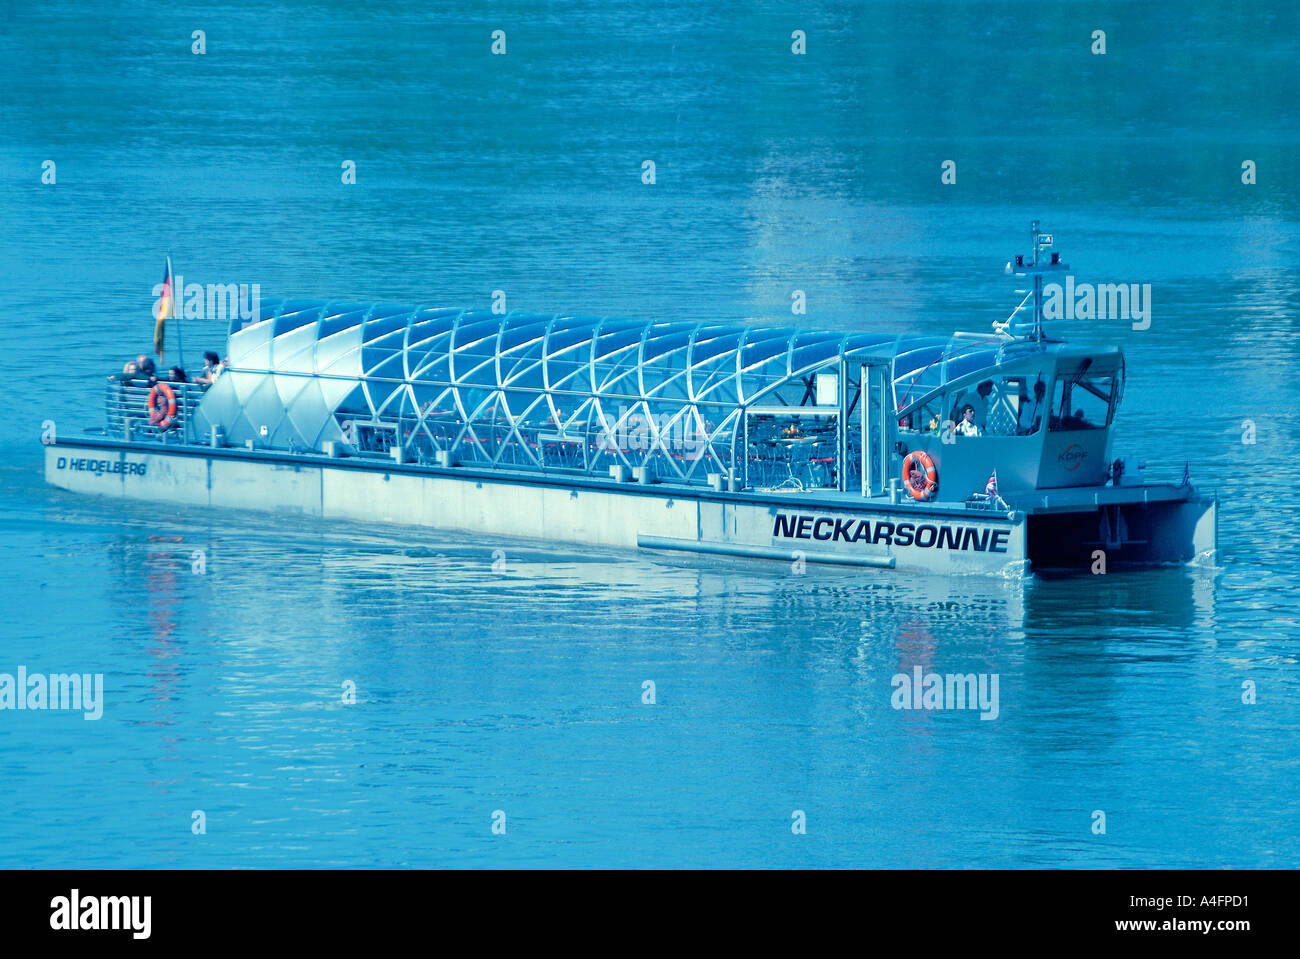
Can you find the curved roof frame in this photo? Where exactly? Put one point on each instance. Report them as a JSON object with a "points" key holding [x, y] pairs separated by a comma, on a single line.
{"points": [[476, 377]]}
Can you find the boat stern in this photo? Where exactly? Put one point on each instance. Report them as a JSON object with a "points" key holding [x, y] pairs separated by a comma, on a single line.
{"points": [[1081, 530]]}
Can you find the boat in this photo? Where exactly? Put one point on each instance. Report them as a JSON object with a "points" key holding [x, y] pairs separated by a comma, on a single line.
{"points": [[986, 452]]}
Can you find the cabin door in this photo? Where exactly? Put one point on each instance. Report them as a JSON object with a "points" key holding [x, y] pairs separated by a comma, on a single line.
{"points": [[875, 380]]}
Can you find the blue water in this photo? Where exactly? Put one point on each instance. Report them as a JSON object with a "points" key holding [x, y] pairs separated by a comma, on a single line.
{"points": [[520, 689]]}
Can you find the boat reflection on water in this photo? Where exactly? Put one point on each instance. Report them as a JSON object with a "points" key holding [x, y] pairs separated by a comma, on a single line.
{"points": [[365, 576], [466, 623]]}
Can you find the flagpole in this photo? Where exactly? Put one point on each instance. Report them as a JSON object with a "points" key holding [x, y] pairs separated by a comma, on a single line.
{"points": [[160, 321], [180, 346]]}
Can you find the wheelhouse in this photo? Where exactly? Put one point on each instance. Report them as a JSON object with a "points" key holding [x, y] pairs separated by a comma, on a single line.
{"points": [[1041, 418]]}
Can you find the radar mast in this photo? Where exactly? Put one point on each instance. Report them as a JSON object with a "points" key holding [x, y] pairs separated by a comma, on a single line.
{"points": [[1037, 267]]}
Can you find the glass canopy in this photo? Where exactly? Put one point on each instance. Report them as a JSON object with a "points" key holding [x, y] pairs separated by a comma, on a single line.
{"points": [[540, 391]]}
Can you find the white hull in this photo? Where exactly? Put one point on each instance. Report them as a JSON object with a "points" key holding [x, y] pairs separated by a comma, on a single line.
{"points": [[815, 529]]}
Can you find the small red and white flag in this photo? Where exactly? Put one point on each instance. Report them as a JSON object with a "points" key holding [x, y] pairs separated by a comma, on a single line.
{"points": [[992, 488]]}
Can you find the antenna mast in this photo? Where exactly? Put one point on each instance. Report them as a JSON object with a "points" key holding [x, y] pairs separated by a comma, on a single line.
{"points": [[1039, 242]]}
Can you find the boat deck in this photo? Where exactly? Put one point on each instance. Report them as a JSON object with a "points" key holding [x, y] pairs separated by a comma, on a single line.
{"points": [[1039, 502]]}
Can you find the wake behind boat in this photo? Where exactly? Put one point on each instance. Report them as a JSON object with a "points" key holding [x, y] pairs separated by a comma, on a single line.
{"points": [[983, 452]]}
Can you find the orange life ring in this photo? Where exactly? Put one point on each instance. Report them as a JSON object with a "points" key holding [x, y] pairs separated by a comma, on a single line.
{"points": [[163, 419], [920, 478]]}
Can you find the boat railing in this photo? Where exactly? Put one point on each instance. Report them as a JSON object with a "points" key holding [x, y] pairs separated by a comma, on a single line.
{"points": [[1011, 327], [127, 414]]}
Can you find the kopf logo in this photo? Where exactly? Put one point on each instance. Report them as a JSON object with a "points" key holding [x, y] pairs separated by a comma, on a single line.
{"points": [[1072, 456]]}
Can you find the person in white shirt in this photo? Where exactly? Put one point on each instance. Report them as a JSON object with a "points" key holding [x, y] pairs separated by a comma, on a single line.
{"points": [[212, 368], [966, 426]]}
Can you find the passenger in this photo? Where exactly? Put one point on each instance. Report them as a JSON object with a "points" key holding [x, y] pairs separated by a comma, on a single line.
{"points": [[967, 426], [1022, 407], [981, 402], [211, 369], [141, 368], [177, 375]]}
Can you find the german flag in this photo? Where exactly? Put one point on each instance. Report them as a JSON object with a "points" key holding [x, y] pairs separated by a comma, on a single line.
{"points": [[166, 309]]}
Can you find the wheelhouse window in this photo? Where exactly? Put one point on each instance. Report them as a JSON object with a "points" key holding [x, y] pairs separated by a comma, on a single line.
{"points": [[1082, 402], [924, 419], [1003, 405]]}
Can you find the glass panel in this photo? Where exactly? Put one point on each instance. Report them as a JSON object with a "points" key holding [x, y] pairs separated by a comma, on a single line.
{"points": [[1082, 403], [795, 450], [1000, 406], [924, 419]]}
